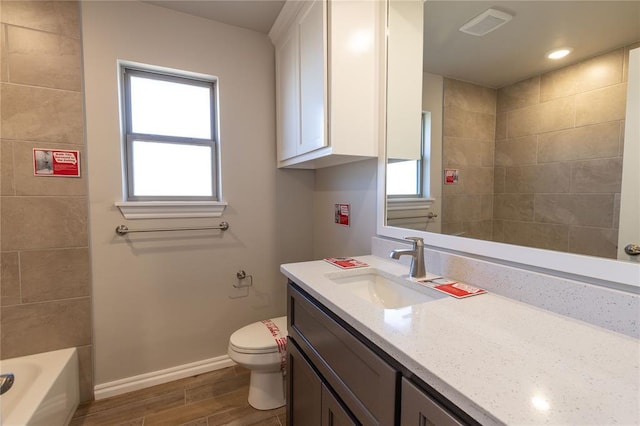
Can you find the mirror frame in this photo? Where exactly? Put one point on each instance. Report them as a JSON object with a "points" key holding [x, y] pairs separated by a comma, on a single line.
{"points": [[601, 271]]}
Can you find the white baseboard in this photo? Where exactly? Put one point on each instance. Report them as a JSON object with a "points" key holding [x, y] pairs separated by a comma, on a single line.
{"points": [[117, 387]]}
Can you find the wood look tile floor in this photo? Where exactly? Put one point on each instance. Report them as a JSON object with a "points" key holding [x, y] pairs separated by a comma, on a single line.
{"points": [[210, 399]]}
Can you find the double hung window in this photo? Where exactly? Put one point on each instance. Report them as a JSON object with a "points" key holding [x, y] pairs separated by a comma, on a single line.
{"points": [[170, 137]]}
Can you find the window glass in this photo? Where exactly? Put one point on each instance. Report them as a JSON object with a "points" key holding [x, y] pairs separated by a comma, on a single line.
{"points": [[169, 108], [402, 177], [165, 169]]}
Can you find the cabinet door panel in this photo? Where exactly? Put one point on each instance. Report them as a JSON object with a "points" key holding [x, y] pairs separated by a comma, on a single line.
{"points": [[288, 108], [359, 377], [312, 78], [333, 413], [418, 409], [304, 390]]}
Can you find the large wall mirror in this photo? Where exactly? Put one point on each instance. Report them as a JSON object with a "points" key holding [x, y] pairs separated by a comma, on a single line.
{"points": [[495, 149]]}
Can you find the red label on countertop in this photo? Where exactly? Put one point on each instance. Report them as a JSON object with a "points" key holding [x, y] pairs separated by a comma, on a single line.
{"points": [[345, 262], [459, 290]]}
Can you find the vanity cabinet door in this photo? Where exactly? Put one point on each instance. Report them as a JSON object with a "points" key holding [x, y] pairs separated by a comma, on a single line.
{"points": [[304, 390], [419, 409], [333, 412]]}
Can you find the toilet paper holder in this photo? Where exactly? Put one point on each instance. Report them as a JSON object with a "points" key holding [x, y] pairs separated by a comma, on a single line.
{"points": [[241, 275]]}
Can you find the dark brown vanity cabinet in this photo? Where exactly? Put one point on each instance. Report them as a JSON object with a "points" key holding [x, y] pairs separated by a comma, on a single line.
{"points": [[337, 377]]}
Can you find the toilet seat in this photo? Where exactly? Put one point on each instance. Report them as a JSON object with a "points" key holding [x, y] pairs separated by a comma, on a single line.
{"points": [[258, 338]]}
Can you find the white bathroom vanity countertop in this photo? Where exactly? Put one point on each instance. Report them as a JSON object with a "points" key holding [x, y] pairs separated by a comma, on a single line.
{"points": [[499, 360]]}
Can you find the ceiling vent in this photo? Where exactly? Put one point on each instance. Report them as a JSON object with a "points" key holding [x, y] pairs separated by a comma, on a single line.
{"points": [[487, 21]]}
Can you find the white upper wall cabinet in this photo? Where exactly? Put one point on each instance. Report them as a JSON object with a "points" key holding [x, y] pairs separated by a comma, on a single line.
{"points": [[327, 89]]}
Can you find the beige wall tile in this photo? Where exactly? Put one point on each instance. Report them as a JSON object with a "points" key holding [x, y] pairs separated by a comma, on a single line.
{"points": [[476, 180], [462, 208], [549, 178], [54, 274], [513, 206], [594, 241], [459, 152], [498, 179], [486, 207], [559, 83], [601, 71], [498, 230], [603, 175], [85, 364], [616, 211], [9, 278], [519, 95], [39, 114], [601, 105], [61, 17], [466, 124], [43, 59], [451, 228], [43, 222], [482, 230], [28, 184], [3, 54], [541, 235], [571, 209], [597, 141], [517, 152], [501, 126], [547, 117], [7, 183], [40, 327], [469, 97]]}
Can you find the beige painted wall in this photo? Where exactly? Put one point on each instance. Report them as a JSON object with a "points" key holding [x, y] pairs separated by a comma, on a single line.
{"points": [[164, 300], [355, 184], [45, 281]]}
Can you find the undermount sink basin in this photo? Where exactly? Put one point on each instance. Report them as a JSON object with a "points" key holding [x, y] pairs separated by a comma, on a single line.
{"points": [[382, 289]]}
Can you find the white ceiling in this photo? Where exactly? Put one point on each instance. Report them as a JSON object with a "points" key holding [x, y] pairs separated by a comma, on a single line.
{"points": [[257, 15], [512, 53], [517, 50]]}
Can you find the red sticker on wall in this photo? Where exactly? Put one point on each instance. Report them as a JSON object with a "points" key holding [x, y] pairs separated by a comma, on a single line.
{"points": [[343, 212], [56, 162]]}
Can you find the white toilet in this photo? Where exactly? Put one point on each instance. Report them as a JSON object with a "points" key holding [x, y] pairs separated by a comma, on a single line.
{"points": [[262, 348]]}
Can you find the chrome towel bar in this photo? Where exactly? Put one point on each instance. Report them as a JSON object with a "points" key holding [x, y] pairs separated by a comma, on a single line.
{"points": [[124, 230]]}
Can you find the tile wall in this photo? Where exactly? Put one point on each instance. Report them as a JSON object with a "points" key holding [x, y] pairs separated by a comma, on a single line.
{"points": [[45, 281], [559, 139], [468, 146], [540, 161]]}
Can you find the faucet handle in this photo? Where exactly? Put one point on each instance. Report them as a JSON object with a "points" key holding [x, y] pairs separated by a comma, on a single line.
{"points": [[417, 241]]}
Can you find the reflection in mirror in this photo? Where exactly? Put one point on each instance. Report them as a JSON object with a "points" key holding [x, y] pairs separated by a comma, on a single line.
{"points": [[518, 149]]}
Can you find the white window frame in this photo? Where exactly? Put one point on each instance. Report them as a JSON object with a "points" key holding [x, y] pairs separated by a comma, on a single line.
{"points": [[153, 207]]}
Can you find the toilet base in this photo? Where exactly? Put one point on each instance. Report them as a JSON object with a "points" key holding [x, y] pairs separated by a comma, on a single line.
{"points": [[266, 390]]}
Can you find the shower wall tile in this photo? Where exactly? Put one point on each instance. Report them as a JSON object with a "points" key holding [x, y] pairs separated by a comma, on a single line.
{"points": [[462, 208], [580, 143], [594, 210], [41, 114], [9, 278], [602, 175], [513, 207], [557, 114], [45, 262], [43, 59], [54, 274], [61, 17], [28, 184], [601, 105], [517, 152], [480, 230], [3, 54], [547, 178], [591, 241], [609, 71], [43, 222], [519, 95], [559, 83], [469, 97], [501, 126], [616, 211], [7, 186], [49, 326], [498, 179], [541, 235], [462, 152], [469, 124]]}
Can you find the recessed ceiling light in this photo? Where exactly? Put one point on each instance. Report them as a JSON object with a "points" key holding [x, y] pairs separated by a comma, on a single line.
{"points": [[559, 53]]}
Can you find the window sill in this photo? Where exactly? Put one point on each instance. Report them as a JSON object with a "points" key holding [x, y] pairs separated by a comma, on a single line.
{"points": [[170, 209]]}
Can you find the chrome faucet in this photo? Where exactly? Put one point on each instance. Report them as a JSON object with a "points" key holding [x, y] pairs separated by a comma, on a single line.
{"points": [[6, 381], [417, 257]]}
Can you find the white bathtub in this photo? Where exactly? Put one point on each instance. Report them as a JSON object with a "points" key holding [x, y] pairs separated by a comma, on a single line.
{"points": [[45, 391]]}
